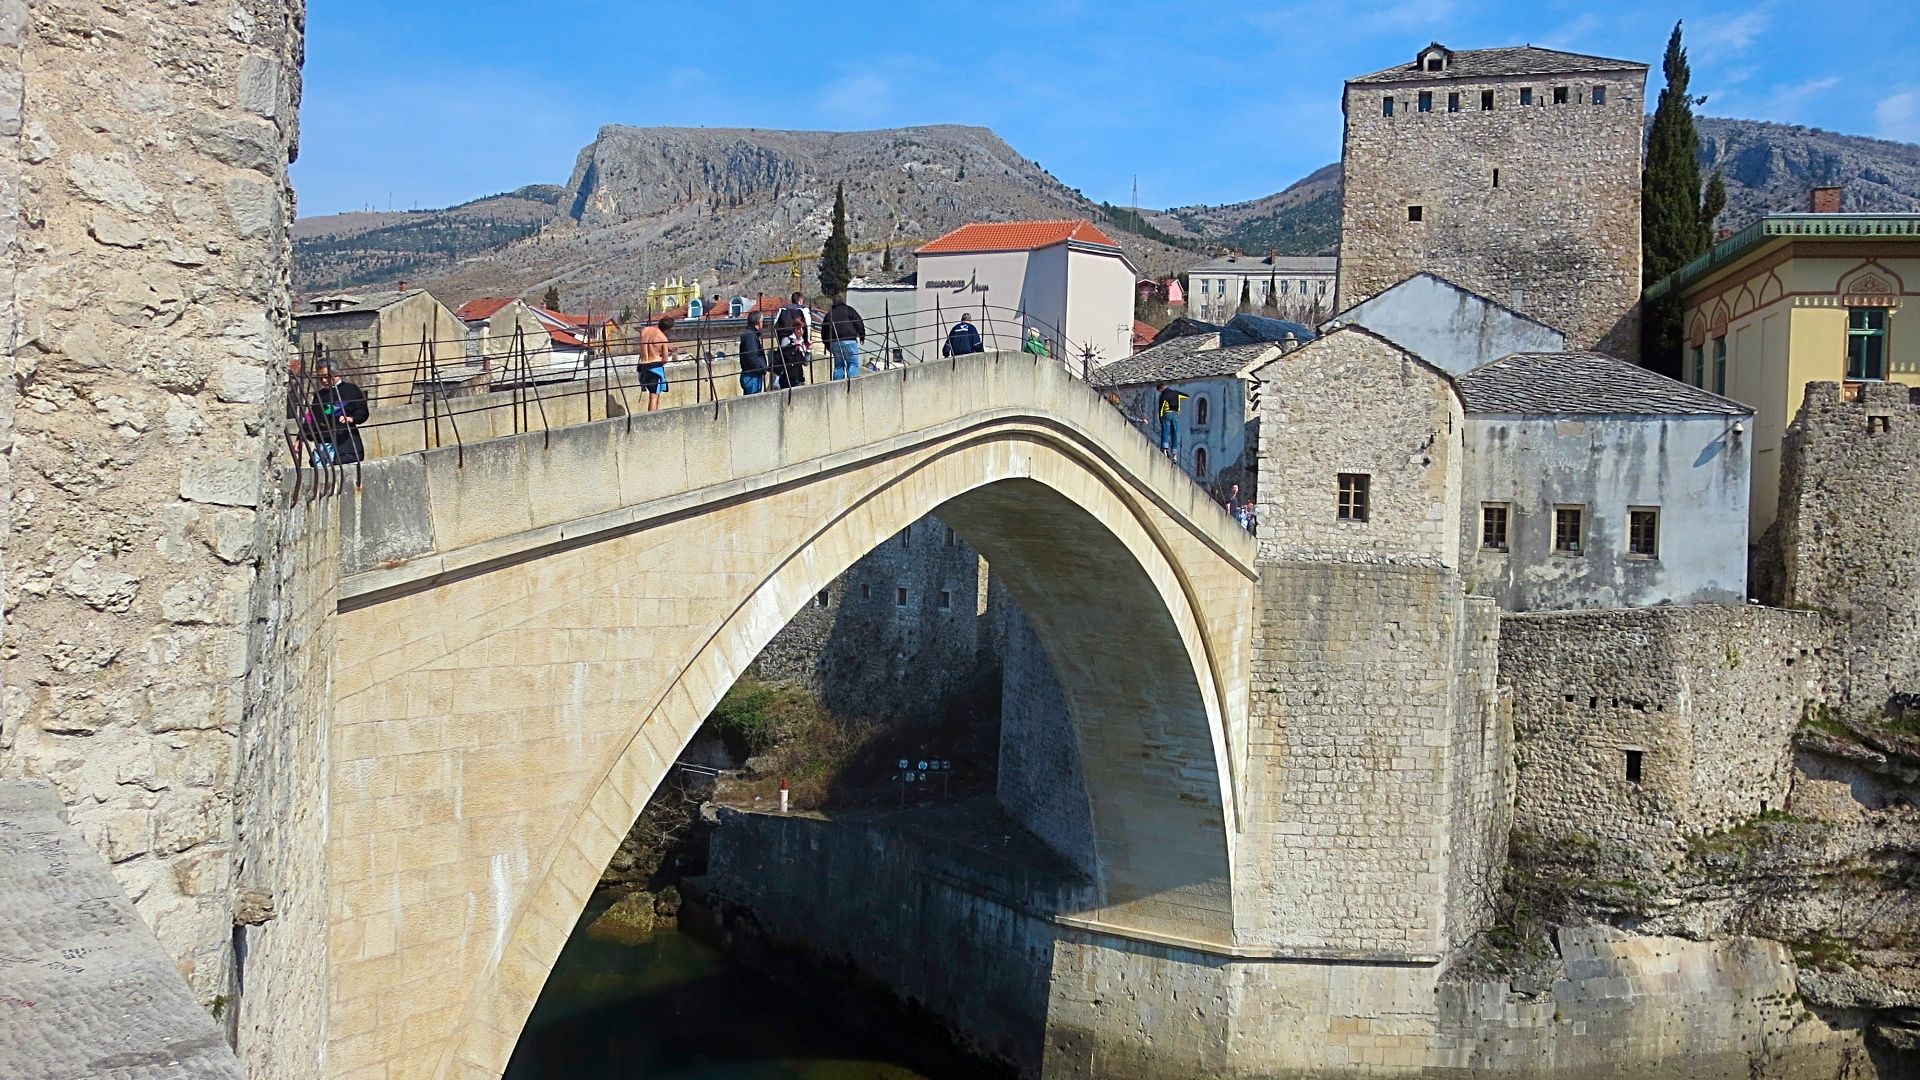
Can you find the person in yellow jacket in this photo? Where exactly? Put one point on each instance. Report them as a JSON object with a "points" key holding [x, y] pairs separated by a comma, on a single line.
{"points": [[1169, 413]]}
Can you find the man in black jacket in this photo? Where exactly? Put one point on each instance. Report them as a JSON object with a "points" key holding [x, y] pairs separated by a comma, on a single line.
{"points": [[339, 408], [753, 357], [793, 328], [844, 332]]}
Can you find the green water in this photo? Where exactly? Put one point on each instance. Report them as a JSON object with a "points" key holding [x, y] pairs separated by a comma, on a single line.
{"points": [[674, 1007]]}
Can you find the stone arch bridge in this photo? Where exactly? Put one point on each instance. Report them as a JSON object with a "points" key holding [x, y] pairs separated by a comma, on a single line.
{"points": [[530, 629]]}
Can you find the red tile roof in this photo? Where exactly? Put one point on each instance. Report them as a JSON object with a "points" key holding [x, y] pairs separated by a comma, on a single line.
{"points": [[1015, 236], [1143, 334], [481, 308]]}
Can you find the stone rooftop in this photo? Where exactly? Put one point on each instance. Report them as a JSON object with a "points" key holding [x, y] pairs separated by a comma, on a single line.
{"points": [[1493, 63], [1200, 356], [85, 989], [1586, 383]]}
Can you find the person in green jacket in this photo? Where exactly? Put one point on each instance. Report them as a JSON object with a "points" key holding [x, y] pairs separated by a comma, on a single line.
{"points": [[1035, 344]]}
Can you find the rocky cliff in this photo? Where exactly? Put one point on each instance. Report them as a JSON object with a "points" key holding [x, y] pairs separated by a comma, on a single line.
{"points": [[646, 204]]}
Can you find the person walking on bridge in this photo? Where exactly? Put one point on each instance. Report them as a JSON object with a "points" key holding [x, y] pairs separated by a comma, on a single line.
{"points": [[844, 333], [1168, 409], [753, 357], [653, 360], [794, 327], [964, 338], [339, 408]]}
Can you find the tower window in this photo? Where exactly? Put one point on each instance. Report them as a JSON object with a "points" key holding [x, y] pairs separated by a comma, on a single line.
{"points": [[866, 592], [1416, 213], [1433, 63], [949, 536], [1200, 462], [1633, 765], [1200, 409], [1354, 490], [1643, 532], [1453, 102], [1426, 101], [1559, 95], [1526, 95], [1599, 95], [1486, 101], [1386, 105], [821, 599], [900, 596], [1496, 178], [946, 599]]}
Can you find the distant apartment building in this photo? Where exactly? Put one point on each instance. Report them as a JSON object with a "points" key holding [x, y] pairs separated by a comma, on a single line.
{"points": [[1512, 172], [1793, 299], [1300, 287], [1067, 279], [375, 338]]}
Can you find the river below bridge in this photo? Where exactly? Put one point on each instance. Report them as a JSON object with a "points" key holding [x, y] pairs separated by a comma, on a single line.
{"points": [[674, 1007]]}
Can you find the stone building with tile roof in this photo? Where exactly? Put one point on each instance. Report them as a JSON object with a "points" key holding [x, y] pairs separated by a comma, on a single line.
{"points": [[375, 337], [1595, 483], [1512, 172]]}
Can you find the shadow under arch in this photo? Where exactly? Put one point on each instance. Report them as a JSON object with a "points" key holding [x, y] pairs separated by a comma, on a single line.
{"points": [[1080, 552]]}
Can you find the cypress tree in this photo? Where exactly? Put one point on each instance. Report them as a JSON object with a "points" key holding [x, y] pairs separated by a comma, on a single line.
{"points": [[551, 301], [886, 260], [835, 274], [1675, 227], [1246, 294]]}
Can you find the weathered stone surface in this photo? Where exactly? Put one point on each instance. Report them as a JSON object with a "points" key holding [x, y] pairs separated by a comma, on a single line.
{"points": [[114, 232], [222, 482], [1556, 239], [628, 922], [88, 991]]}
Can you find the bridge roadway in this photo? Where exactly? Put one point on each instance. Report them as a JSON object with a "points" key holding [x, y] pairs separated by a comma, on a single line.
{"points": [[531, 628]]}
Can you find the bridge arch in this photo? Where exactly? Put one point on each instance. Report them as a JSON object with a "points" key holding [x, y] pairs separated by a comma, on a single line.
{"points": [[1128, 598]]}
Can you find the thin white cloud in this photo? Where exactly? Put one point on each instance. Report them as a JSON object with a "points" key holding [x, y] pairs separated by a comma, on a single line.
{"points": [[1723, 38], [1573, 35], [863, 98], [1788, 99], [1897, 116]]}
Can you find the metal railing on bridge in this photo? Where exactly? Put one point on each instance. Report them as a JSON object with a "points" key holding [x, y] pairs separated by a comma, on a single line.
{"points": [[449, 391]]}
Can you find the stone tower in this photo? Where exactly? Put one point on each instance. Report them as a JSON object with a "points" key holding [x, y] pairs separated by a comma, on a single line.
{"points": [[1514, 172]]}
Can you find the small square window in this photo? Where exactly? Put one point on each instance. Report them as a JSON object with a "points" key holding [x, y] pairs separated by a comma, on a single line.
{"points": [[821, 599], [900, 596], [1599, 95], [1643, 532], [1560, 95], [1569, 530], [1453, 102], [946, 599], [1386, 105], [1493, 526], [1354, 490], [1526, 95], [1634, 759], [1416, 213], [1426, 101], [949, 536], [1433, 63], [1486, 101]]}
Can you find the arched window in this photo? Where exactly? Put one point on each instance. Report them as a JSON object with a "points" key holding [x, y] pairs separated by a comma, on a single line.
{"points": [[1200, 412], [1199, 463]]}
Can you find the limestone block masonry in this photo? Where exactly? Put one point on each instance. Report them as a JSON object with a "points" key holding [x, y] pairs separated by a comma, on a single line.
{"points": [[145, 297], [1848, 534], [1648, 726], [531, 631], [1535, 206]]}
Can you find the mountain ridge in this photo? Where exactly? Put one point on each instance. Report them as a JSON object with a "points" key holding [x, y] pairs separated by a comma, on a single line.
{"points": [[647, 204]]}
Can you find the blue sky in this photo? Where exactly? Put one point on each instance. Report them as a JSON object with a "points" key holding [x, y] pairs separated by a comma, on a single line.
{"points": [[430, 103]]}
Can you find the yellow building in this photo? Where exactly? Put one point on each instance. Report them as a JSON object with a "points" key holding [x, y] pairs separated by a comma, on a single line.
{"points": [[1793, 299], [668, 295]]}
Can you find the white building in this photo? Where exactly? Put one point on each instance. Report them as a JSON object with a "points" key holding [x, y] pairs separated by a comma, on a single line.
{"points": [[895, 332], [1067, 279], [1301, 285], [1452, 328], [1213, 430]]}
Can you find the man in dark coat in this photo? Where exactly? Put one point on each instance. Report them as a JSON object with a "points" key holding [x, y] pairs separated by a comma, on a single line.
{"points": [[753, 357], [339, 408], [963, 339]]}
